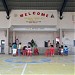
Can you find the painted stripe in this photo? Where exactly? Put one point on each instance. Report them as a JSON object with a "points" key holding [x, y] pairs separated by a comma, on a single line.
{"points": [[24, 69]]}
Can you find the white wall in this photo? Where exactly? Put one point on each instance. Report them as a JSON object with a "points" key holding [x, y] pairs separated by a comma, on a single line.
{"points": [[69, 36], [4, 23], [69, 41], [39, 37], [2, 34], [66, 22]]}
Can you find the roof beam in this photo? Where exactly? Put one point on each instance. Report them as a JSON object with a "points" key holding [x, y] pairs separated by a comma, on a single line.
{"points": [[35, 0], [6, 8], [62, 8]]}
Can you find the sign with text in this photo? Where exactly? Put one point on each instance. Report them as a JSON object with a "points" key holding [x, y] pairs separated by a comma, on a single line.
{"points": [[34, 17]]}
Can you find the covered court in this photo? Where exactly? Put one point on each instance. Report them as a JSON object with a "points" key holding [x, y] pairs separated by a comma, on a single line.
{"points": [[37, 24], [37, 65]]}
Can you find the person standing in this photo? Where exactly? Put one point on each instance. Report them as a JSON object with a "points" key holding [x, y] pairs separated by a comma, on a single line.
{"points": [[19, 49], [14, 49]]}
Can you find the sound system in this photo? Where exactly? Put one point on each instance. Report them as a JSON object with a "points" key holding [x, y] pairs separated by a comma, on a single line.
{"points": [[45, 44]]}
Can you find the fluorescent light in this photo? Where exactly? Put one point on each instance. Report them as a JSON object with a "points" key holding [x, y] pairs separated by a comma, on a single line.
{"points": [[34, 29]]}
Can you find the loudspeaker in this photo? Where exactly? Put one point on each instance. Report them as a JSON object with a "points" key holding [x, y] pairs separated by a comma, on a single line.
{"points": [[46, 44], [63, 34]]}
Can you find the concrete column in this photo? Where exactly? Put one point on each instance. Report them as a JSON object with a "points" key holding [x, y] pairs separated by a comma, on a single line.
{"points": [[60, 31], [7, 42], [54, 38], [14, 35]]}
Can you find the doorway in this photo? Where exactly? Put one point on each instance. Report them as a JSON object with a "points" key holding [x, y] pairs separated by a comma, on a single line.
{"points": [[2, 46]]}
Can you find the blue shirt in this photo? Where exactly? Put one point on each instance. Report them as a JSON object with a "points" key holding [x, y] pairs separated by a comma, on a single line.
{"points": [[65, 49], [14, 46]]}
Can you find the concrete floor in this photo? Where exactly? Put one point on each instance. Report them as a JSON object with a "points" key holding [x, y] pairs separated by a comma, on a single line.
{"points": [[37, 65]]}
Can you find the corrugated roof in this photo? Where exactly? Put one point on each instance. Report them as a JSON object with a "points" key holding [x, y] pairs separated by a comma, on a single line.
{"points": [[38, 5]]}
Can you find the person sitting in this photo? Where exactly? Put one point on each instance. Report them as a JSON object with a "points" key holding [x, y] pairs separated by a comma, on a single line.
{"points": [[62, 50], [52, 50], [66, 50], [36, 51], [47, 52], [59, 51], [29, 51], [24, 51]]}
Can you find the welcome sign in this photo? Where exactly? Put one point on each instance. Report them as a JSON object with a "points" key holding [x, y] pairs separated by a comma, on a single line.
{"points": [[34, 17], [34, 13]]}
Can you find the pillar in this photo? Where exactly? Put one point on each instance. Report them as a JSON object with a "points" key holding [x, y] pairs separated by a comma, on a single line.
{"points": [[7, 42], [60, 34], [14, 36], [54, 38]]}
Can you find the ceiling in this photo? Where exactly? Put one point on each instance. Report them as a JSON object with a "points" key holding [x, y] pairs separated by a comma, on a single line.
{"points": [[38, 4], [60, 5]]}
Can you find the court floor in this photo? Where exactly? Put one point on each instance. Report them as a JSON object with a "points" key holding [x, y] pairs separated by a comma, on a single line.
{"points": [[37, 65]]}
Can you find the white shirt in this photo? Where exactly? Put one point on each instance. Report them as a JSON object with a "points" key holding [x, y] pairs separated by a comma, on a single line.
{"points": [[61, 50], [19, 47]]}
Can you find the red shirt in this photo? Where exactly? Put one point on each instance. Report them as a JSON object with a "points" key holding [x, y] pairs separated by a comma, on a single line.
{"points": [[52, 49]]}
